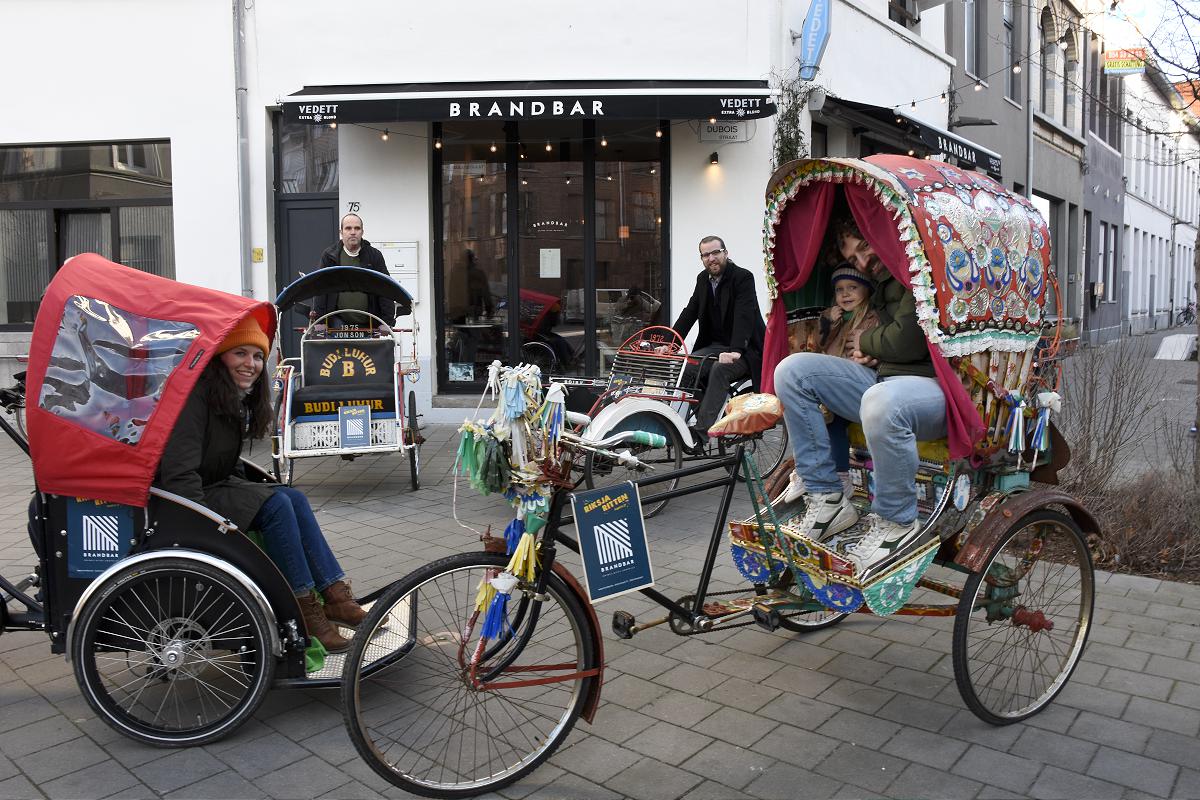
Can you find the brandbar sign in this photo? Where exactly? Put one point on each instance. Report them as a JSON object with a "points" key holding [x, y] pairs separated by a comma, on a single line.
{"points": [[964, 152], [1131, 61], [434, 109], [612, 541]]}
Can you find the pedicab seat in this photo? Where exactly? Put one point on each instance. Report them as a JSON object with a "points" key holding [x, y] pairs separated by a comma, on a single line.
{"points": [[324, 400], [748, 414]]}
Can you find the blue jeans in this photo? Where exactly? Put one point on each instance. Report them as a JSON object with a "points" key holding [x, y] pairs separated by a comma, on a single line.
{"points": [[294, 541], [895, 413]]}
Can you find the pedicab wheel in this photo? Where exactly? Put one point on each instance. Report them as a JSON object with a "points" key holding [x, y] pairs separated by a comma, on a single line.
{"points": [[418, 716], [1023, 620], [280, 465], [768, 450], [173, 653], [414, 436], [601, 471]]}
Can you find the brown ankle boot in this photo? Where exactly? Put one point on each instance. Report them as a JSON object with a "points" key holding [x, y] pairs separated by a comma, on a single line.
{"points": [[318, 624], [340, 606]]}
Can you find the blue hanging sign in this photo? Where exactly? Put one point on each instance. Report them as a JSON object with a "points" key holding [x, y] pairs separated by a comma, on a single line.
{"points": [[813, 37], [98, 536], [612, 541], [354, 426]]}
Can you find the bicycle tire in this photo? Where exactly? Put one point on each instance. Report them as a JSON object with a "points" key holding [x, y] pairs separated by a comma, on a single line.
{"points": [[1008, 672], [414, 452], [196, 648], [408, 702]]}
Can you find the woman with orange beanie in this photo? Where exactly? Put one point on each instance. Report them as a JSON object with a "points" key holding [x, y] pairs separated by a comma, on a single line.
{"points": [[231, 402]]}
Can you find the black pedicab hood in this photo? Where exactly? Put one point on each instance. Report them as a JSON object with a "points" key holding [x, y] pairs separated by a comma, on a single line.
{"points": [[345, 279]]}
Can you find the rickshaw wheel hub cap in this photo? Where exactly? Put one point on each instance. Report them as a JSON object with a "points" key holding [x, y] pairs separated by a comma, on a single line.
{"points": [[175, 641]]}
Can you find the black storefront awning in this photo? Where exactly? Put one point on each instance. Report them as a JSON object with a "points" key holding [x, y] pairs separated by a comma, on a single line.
{"points": [[900, 126], [528, 100]]}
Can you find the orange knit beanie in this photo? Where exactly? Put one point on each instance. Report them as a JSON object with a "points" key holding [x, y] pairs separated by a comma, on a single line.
{"points": [[248, 331]]}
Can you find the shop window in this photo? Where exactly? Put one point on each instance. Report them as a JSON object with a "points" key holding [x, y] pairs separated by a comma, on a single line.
{"points": [[56, 201], [1012, 83]]}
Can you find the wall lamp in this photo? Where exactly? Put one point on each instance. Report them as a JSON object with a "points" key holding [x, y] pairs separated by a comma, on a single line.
{"points": [[712, 157]]}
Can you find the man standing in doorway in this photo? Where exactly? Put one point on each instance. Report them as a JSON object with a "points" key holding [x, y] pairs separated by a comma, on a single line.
{"points": [[731, 328], [352, 250]]}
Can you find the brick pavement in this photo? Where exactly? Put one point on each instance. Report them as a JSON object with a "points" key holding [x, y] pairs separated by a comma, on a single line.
{"points": [[865, 709]]}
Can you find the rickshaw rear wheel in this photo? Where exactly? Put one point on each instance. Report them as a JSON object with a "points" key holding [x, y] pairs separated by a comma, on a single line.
{"points": [[284, 469], [427, 721], [600, 471], [173, 653], [414, 436], [768, 450], [1023, 620]]}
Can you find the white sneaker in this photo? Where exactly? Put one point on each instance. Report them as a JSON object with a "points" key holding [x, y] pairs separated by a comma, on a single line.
{"points": [[795, 488], [826, 515], [883, 540]]}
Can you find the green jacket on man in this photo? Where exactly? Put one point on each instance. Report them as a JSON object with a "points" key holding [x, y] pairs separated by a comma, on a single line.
{"points": [[898, 342]]}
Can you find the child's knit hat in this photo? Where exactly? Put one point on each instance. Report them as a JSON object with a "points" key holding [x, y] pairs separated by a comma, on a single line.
{"points": [[846, 272]]}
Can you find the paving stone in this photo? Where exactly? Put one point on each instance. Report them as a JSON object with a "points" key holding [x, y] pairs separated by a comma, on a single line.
{"points": [[747, 667], [18, 788], [616, 723], [798, 710], [728, 764], [736, 726], [179, 769], [1134, 771], [641, 664], [861, 766], [668, 743], [807, 682], [1137, 683], [309, 777], [37, 736], [680, 709], [1104, 730], [1173, 748], [653, 780], [918, 780], [711, 790], [263, 755], [54, 762], [783, 781], [574, 787], [98, 780], [856, 668], [1185, 721], [803, 748], [1154, 644], [994, 768], [1187, 784], [923, 747], [1115, 655], [859, 729], [860, 697], [596, 759], [1054, 748], [915, 711], [1054, 717], [1179, 669], [743, 694], [1059, 784], [1091, 698], [914, 682], [632, 692]]}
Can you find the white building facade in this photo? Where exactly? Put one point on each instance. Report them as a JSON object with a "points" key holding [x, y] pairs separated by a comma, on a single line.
{"points": [[1162, 202]]}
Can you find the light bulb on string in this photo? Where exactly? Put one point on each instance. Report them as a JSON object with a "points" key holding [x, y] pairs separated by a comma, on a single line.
{"points": [[333, 126], [913, 105], [493, 147], [978, 85], [384, 135], [712, 120], [437, 144], [943, 97], [658, 133], [1017, 68], [548, 147], [603, 140]]}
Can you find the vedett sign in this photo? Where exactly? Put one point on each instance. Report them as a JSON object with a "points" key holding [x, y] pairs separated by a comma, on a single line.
{"points": [[317, 112], [740, 106]]}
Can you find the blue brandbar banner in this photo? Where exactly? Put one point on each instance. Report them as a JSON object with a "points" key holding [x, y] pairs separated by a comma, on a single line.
{"points": [[354, 426], [98, 536], [612, 541]]}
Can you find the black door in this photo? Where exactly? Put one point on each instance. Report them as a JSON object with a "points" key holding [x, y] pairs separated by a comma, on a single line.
{"points": [[306, 227]]}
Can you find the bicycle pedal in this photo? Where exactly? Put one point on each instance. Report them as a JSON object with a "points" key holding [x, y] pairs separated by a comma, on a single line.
{"points": [[765, 616], [622, 624]]}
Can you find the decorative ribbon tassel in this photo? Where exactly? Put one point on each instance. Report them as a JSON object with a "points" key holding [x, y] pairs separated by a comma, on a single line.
{"points": [[512, 535], [1016, 423], [552, 414], [495, 623], [513, 401], [1047, 402], [523, 563], [484, 595]]}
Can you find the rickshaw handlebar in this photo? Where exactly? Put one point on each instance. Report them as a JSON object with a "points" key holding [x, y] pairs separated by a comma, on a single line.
{"points": [[622, 457]]}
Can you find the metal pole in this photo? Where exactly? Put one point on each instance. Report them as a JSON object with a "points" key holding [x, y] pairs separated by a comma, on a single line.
{"points": [[1029, 45], [243, 148]]}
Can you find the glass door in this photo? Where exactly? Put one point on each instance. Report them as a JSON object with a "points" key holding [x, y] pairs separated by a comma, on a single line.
{"points": [[552, 317]]}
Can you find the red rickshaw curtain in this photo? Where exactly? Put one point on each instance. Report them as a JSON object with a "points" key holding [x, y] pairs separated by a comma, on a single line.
{"points": [[963, 425], [796, 249]]}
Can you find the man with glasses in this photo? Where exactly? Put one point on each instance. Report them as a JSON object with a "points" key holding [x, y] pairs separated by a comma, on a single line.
{"points": [[725, 305]]}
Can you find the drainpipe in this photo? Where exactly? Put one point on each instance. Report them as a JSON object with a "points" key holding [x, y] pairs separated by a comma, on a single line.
{"points": [[243, 149], [1029, 29]]}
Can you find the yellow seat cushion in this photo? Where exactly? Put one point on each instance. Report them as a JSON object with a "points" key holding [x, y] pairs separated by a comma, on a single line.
{"points": [[936, 451]]}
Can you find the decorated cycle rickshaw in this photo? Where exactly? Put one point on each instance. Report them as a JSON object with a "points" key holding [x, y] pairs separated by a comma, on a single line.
{"points": [[176, 623], [506, 653], [344, 393]]}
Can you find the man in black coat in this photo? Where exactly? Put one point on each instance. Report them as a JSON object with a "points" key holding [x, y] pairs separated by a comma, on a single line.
{"points": [[731, 327], [352, 250]]}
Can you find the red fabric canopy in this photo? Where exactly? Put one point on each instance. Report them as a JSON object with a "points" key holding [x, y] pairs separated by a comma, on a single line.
{"points": [[73, 458]]}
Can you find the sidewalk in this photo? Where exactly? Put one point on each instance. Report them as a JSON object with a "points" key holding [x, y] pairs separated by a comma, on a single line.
{"points": [[868, 708]]}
